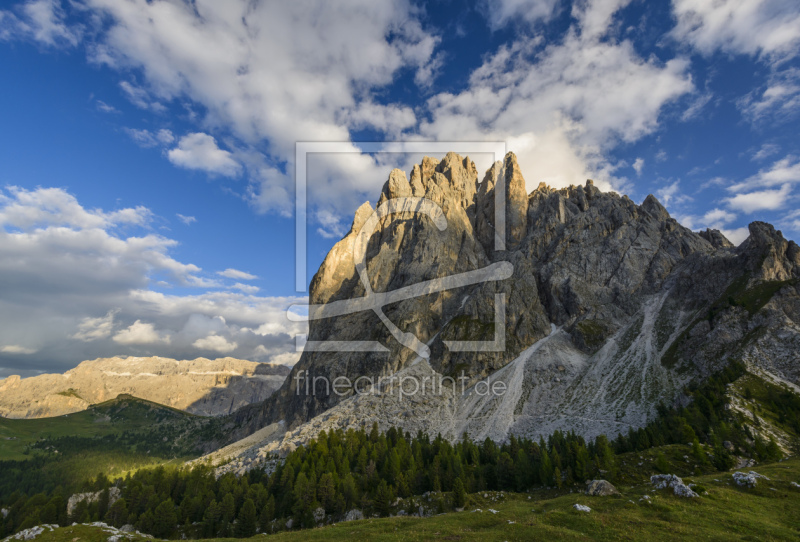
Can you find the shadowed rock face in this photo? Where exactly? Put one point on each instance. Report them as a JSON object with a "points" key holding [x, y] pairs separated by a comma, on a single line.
{"points": [[612, 308], [201, 386]]}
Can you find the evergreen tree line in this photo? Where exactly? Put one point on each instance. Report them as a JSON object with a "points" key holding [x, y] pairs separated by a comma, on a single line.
{"points": [[368, 470]]}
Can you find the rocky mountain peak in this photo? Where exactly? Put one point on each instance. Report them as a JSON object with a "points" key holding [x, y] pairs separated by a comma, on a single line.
{"points": [[774, 257], [605, 315]]}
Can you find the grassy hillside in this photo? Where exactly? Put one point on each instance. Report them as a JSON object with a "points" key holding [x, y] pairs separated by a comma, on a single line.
{"points": [[770, 511], [114, 437], [125, 413]]}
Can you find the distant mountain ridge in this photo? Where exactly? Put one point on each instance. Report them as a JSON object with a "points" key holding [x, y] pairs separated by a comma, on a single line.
{"points": [[200, 386]]}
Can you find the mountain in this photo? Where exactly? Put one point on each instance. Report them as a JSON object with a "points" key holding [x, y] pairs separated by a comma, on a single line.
{"points": [[200, 386], [612, 309]]}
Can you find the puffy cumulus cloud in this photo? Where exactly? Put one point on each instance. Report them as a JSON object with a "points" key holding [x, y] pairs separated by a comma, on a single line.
{"points": [[39, 20], [92, 329], [754, 27], [768, 190], [736, 235], [718, 219], [215, 343], [141, 333], [270, 71], [26, 209], [200, 151], [766, 29], [760, 200], [267, 75], [78, 284], [562, 107], [784, 171]]}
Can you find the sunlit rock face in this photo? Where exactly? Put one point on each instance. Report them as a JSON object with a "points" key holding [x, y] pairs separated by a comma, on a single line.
{"points": [[612, 309], [200, 386]]}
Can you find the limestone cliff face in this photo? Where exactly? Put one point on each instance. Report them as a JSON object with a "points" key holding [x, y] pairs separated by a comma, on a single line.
{"points": [[612, 308], [200, 386]]}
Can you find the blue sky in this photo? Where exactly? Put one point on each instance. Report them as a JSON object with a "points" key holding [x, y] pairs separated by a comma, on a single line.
{"points": [[146, 148]]}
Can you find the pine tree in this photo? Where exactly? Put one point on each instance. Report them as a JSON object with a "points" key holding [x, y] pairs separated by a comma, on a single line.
{"points": [[117, 513], [326, 491], [246, 522], [661, 463], [267, 514], [698, 453], [211, 519], [546, 469], [305, 499], [459, 494], [383, 499], [164, 519]]}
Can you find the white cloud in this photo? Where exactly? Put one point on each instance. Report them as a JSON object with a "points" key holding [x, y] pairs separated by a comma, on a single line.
{"points": [[246, 288], [200, 151], [783, 172], [165, 136], [16, 349], [143, 138], [766, 150], [236, 274], [638, 165], [279, 72], [792, 221], [502, 12], [42, 21], [141, 333], [287, 358], [595, 16], [140, 97], [779, 100], [764, 200], [697, 106], [76, 288], [390, 119], [331, 224], [672, 195], [562, 107], [716, 217], [93, 329], [188, 220], [215, 343], [736, 235], [105, 108], [753, 27], [25, 209]]}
